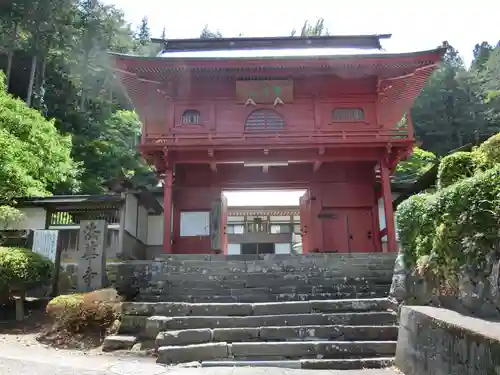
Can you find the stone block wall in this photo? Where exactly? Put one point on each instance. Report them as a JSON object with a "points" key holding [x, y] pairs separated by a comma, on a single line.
{"points": [[477, 292], [435, 341]]}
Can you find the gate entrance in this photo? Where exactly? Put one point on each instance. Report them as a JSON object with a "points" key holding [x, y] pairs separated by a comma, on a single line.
{"points": [[288, 117]]}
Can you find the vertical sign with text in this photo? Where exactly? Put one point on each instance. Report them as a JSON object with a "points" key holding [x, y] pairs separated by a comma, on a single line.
{"points": [[45, 243]]}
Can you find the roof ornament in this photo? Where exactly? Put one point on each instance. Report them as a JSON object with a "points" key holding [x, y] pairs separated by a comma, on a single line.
{"points": [[250, 101], [278, 101]]}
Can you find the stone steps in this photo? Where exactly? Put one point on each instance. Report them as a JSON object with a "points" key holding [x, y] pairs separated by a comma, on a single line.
{"points": [[151, 326], [275, 351], [278, 334], [263, 294], [285, 297], [318, 311], [309, 364], [247, 309]]}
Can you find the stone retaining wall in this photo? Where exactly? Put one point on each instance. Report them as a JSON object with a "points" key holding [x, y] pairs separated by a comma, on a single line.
{"points": [[434, 341], [477, 292]]}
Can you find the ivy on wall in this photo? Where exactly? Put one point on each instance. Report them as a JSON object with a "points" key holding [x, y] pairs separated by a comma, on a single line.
{"points": [[458, 225]]}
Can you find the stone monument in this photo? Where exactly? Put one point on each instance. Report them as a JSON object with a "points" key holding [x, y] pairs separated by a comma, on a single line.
{"points": [[91, 255]]}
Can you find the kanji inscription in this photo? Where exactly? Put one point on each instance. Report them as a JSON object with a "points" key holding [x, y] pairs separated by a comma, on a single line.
{"points": [[264, 92], [91, 254]]}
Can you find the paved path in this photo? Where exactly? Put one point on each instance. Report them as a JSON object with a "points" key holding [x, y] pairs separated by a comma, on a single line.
{"points": [[23, 360]]}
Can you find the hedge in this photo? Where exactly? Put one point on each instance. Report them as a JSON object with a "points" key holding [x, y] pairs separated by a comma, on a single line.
{"points": [[491, 150], [456, 226], [456, 167], [22, 269]]}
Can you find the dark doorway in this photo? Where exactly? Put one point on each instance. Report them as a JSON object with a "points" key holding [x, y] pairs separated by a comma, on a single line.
{"points": [[257, 248]]}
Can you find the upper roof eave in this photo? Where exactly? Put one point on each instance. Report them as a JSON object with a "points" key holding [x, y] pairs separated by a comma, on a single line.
{"points": [[438, 52], [283, 42]]}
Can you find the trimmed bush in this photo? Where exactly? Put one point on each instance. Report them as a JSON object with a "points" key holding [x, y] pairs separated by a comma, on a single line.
{"points": [[456, 226], [21, 270], [456, 167], [94, 311], [491, 150]]}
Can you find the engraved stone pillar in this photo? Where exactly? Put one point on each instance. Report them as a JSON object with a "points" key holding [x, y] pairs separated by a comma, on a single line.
{"points": [[91, 255]]}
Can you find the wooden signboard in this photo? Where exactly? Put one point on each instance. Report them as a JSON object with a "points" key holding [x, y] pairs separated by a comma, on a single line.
{"points": [[264, 92]]}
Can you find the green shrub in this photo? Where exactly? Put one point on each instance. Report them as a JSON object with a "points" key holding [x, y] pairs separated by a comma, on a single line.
{"points": [[96, 310], [491, 150], [22, 269], [456, 167], [456, 226]]}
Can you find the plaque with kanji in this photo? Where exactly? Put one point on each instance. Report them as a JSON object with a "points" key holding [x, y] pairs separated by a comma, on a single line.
{"points": [[265, 92]]}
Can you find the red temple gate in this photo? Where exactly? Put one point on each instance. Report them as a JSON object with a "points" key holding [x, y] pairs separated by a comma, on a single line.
{"points": [[328, 122]]}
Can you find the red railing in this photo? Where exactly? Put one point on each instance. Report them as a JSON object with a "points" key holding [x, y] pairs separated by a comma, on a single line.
{"points": [[283, 137]]}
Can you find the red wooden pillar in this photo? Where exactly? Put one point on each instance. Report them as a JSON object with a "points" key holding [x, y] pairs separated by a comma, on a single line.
{"points": [[392, 245], [167, 211]]}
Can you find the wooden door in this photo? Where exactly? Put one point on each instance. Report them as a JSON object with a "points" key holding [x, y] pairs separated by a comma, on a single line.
{"points": [[361, 231], [335, 231], [223, 225], [218, 225], [304, 222]]}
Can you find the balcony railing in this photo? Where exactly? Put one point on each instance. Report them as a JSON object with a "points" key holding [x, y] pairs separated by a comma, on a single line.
{"points": [[284, 137], [262, 227]]}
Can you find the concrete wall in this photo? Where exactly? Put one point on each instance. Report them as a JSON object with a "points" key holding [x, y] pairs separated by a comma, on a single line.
{"points": [[435, 341], [34, 218]]}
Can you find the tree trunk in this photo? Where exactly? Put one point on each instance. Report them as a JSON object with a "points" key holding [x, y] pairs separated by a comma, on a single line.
{"points": [[10, 55], [31, 81], [39, 79]]}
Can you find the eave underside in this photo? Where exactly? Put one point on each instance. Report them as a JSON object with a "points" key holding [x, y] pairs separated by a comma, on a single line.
{"points": [[400, 78]]}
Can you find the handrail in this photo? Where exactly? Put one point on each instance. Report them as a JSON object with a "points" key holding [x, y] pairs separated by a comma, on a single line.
{"points": [[288, 136]]}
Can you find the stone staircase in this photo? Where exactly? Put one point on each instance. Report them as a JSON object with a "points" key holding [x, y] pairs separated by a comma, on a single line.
{"points": [[316, 311]]}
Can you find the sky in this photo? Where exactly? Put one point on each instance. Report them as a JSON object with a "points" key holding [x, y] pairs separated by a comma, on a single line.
{"points": [[414, 25], [263, 198]]}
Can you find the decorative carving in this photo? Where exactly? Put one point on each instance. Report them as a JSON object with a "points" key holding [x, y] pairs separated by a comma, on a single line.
{"points": [[249, 102], [278, 101]]}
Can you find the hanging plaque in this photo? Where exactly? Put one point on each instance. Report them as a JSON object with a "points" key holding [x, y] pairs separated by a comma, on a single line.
{"points": [[264, 92]]}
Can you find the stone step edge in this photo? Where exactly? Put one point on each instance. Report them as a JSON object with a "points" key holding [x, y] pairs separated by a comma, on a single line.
{"points": [[250, 351], [312, 306], [309, 364], [254, 334]]}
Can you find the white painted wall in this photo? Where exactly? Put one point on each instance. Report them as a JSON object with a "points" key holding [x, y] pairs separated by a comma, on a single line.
{"points": [[235, 219], [282, 248], [142, 224], [155, 230], [131, 207], [280, 219], [234, 249], [34, 218], [195, 223], [381, 216]]}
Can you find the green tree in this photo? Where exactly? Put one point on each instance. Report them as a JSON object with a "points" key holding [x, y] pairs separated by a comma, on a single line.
{"points": [[113, 153], [143, 34], [417, 164], [206, 33], [316, 29], [449, 112], [34, 157]]}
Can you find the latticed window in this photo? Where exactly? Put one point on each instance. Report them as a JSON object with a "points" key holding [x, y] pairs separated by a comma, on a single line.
{"points": [[264, 119], [191, 117], [348, 114]]}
